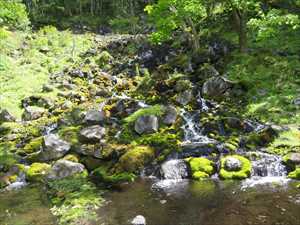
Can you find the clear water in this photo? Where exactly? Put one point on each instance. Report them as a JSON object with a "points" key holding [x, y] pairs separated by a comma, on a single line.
{"points": [[28, 206], [210, 202]]}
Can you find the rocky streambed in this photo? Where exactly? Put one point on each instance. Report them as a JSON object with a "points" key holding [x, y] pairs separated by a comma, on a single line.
{"points": [[128, 110]]}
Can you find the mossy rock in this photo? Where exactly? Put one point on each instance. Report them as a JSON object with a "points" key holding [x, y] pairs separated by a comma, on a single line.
{"points": [[70, 134], [295, 174], [201, 167], [34, 145], [243, 173], [136, 159], [101, 175], [72, 158], [37, 172]]}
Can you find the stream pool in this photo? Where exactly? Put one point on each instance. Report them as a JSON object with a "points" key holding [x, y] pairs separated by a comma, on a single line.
{"points": [[28, 206], [210, 202]]}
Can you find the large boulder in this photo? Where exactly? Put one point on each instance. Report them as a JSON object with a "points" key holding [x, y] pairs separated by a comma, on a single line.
{"points": [[170, 115], [33, 113], [5, 116], [94, 116], [65, 168], [92, 133], [216, 87], [146, 124], [53, 148]]}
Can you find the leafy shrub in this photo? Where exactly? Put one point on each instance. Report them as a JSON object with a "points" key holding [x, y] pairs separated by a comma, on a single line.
{"points": [[13, 13]]}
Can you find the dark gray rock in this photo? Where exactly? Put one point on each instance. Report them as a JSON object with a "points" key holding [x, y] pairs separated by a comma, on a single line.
{"points": [[233, 164], [5, 116], [94, 116], [33, 113], [53, 148], [170, 115], [216, 87], [146, 124], [92, 133], [64, 168]]}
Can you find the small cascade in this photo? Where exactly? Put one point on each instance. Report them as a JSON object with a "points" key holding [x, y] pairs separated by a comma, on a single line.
{"points": [[174, 173], [267, 165], [193, 133], [266, 168]]}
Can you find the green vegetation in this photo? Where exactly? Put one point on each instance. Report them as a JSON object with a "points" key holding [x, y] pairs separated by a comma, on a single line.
{"points": [[286, 142], [27, 60], [75, 200], [37, 172], [295, 174], [201, 167], [268, 101], [102, 176], [243, 173], [156, 110]]}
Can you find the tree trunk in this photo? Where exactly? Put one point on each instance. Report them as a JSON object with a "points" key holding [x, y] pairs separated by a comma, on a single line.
{"points": [[241, 22]]}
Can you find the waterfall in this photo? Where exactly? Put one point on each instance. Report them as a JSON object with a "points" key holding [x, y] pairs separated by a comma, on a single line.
{"points": [[267, 165], [266, 169], [193, 133]]}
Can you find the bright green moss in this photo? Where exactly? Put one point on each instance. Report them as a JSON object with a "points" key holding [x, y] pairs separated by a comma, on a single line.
{"points": [[102, 175], [70, 134], [37, 172], [199, 175], [200, 167], [156, 110], [295, 174], [72, 158], [33, 146], [136, 159], [243, 173]]}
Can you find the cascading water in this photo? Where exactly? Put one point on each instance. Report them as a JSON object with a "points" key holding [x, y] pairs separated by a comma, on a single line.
{"points": [[266, 168], [174, 172], [193, 132]]}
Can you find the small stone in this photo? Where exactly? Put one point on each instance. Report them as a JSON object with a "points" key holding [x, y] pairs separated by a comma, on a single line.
{"points": [[94, 116], [170, 115], [92, 133], [33, 113], [185, 97], [138, 220], [65, 168], [297, 101], [5, 116], [233, 164], [146, 124]]}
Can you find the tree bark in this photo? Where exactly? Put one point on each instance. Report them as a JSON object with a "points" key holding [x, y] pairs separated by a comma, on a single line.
{"points": [[241, 22]]}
